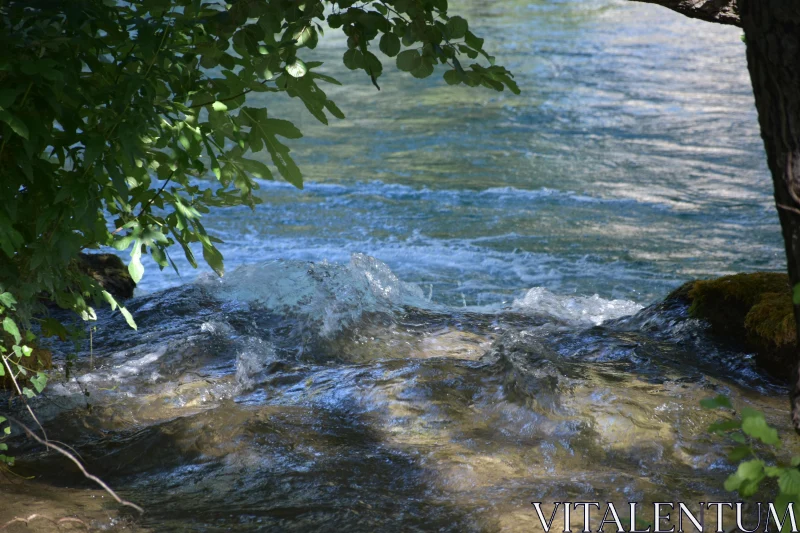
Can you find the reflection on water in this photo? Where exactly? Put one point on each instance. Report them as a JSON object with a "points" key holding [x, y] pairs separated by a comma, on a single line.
{"points": [[631, 162], [463, 368]]}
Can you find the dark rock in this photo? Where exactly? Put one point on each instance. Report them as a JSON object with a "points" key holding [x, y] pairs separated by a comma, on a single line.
{"points": [[110, 272], [753, 311]]}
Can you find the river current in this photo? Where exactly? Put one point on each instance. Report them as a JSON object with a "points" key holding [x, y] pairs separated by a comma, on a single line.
{"points": [[458, 314]]}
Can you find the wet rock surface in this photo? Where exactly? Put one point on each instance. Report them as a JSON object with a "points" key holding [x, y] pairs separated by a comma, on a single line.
{"points": [[294, 396], [752, 312]]}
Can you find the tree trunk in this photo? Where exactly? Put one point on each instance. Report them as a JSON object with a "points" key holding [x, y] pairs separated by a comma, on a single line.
{"points": [[772, 32]]}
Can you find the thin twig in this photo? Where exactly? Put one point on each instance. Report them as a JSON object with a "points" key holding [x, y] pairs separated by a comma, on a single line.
{"points": [[156, 195], [789, 208], [77, 463], [246, 91], [24, 398], [148, 204]]}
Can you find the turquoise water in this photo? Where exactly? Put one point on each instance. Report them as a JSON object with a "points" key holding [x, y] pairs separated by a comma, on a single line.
{"points": [[631, 162], [446, 323]]}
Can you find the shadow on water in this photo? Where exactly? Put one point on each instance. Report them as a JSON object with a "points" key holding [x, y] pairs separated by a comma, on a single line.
{"points": [[342, 400], [278, 468]]}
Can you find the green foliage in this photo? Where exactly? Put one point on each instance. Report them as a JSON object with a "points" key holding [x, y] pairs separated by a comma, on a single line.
{"points": [[110, 111], [746, 431], [113, 112], [19, 366]]}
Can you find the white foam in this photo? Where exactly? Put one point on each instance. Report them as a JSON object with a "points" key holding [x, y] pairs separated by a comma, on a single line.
{"points": [[325, 297], [580, 309]]}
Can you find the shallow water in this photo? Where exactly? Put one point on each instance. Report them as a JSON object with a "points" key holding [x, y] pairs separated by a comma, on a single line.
{"points": [[298, 396], [448, 322]]}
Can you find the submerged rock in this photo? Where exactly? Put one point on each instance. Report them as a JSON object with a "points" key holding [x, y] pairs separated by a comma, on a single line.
{"points": [[752, 310]]}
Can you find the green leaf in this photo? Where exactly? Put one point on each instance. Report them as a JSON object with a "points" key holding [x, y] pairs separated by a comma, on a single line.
{"points": [[7, 300], [739, 452], [408, 60], [456, 28], [128, 317], [714, 403], [7, 97], [297, 69], [751, 469], [353, 59], [473, 41], [53, 328], [372, 64], [424, 70], [452, 77], [733, 482], [11, 328], [256, 168], [214, 259], [755, 425], [39, 381], [284, 128], [16, 124], [738, 437], [219, 106], [390, 44], [789, 481], [28, 392], [110, 299], [723, 426], [135, 267]]}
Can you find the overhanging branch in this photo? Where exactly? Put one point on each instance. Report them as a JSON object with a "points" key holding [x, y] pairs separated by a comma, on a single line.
{"points": [[719, 11]]}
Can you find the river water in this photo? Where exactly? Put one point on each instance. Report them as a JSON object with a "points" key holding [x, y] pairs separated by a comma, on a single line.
{"points": [[451, 320]]}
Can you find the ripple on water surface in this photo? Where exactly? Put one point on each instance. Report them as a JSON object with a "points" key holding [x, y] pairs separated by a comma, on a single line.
{"points": [[345, 399]]}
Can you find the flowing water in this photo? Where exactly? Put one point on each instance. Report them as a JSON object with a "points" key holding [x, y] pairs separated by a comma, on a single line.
{"points": [[456, 316]]}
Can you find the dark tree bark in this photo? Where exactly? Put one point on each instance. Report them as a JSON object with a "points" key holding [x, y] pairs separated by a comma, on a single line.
{"points": [[772, 32], [719, 11]]}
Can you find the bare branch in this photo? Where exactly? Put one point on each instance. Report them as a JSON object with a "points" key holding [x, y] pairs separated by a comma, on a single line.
{"points": [[24, 399], [72, 458], [719, 11]]}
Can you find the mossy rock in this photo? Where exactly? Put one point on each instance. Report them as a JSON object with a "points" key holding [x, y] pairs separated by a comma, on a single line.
{"points": [[752, 310]]}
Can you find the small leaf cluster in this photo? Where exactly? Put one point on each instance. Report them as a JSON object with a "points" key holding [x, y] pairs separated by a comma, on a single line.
{"points": [[749, 428], [16, 368], [427, 36]]}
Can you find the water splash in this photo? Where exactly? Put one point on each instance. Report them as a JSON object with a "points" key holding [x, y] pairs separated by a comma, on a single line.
{"points": [[326, 298], [592, 310]]}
